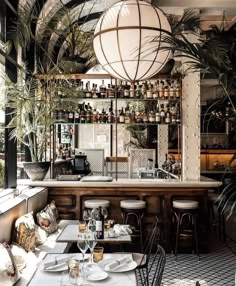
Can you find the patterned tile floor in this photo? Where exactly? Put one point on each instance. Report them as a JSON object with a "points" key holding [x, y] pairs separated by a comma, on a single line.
{"points": [[217, 268]]}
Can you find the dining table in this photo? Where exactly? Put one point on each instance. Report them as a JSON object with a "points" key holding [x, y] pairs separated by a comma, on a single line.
{"points": [[126, 276], [71, 234]]}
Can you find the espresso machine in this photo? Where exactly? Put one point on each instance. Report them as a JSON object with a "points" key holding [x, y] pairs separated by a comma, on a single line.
{"points": [[81, 166]]}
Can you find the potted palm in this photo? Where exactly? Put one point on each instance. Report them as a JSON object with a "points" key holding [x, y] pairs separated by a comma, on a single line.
{"points": [[31, 121], [32, 104]]}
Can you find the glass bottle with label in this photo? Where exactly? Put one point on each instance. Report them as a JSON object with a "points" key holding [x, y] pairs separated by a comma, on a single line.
{"points": [[177, 90], [161, 90], [102, 90], [149, 90], [99, 222], [94, 91], [127, 115], [122, 116], [88, 91], [158, 116], [166, 90], [82, 113], [155, 91], [162, 114], [138, 91], [76, 115], [132, 91], [172, 90], [110, 117], [71, 116], [126, 90], [144, 90]]}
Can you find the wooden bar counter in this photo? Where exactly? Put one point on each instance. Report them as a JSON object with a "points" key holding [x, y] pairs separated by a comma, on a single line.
{"points": [[158, 194]]}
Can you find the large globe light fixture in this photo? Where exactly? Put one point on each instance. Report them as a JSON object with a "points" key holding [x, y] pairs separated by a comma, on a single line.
{"points": [[122, 40]]}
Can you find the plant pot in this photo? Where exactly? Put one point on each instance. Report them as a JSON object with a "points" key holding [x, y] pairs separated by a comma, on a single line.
{"points": [[36, 171]]}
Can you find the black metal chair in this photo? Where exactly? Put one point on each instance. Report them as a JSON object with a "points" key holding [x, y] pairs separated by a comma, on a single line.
{"points": [[151, 266]]}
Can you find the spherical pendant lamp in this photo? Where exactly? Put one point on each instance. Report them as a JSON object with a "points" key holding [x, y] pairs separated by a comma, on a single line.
{"points": [[122, 40]]}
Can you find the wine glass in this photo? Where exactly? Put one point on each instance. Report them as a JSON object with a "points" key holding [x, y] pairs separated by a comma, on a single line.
{"points": [[105, 213], [86, 215], [92, 243], [83, 247]]}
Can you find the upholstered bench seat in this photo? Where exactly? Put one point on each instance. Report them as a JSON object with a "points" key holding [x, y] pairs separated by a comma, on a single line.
{"points": [[91, 204], [133, 204]]}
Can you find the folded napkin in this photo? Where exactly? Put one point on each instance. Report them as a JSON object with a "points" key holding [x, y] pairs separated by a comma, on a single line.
{"points": [[119, 262], [55, 262], [122, 229]]}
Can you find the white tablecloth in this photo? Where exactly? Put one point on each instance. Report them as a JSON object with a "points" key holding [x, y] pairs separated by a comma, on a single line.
{"points": [[70, 234], [43, 278]]}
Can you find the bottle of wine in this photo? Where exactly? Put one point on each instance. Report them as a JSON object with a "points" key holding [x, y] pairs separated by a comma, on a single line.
{"points": [[100, 224]]}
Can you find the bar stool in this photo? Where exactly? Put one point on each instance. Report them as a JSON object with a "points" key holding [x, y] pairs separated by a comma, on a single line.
{"points": [[135, 208], [93, 204], [186, 208]]}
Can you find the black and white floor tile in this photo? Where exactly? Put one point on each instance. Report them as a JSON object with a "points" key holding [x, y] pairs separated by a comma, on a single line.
{"points": [[216, 268]]}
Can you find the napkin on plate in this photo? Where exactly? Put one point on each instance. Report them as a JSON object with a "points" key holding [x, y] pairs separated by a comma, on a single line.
{"points": [[55, 262], [122, 229], [119, 262]]}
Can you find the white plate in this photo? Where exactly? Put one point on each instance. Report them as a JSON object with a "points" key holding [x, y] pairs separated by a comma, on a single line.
{"points": [[63, 266], [123, 268], [96, 276]]}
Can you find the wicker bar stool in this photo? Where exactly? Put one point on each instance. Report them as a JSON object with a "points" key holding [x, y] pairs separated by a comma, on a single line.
{"points": [[136, 209], [189, 209]]}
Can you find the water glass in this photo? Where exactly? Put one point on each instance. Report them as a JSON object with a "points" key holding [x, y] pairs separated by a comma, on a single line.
{"points": [[92, 243], [98, 254], [82, 226]]}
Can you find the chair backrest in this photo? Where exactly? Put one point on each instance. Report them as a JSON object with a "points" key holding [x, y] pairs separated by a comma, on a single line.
{"points": [[154, 259], [198, 284]]}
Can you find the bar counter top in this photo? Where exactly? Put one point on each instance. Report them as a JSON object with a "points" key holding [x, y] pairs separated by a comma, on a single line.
{"points": [[147, 183]]}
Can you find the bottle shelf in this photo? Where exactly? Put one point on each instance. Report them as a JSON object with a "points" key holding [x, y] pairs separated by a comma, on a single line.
{"points": [[141, 124], [118, 99]]}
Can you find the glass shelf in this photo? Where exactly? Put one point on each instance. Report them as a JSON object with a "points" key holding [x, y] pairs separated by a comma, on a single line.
{"points": [[118, 99]]}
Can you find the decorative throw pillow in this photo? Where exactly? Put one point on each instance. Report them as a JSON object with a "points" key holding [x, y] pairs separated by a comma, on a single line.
{"points": [[20, 256], [9, 273], [40, 235], [25, 227], [47, 220], [53, 207]]}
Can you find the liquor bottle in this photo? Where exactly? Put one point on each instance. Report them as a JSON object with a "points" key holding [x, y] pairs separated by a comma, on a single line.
{"points": [[144, 90], [88, 91], [172, 90], [99, 224], [127, 115], [167, 118], [132, 91], [55, 114], [102, 90], [138, 91], [89, 114], [161, 90], [162, 114], [133, 116], [110, 117], [76, 116], [120, 92], [111, 91], [151, 117], [155, 91], [81, 90], [126, 90], [82, 113], [94, 91], [177, 90], [103, 116], [95, 116], [121, 116], [71, 116], [149, 90], [166, 90], [158, 116]]}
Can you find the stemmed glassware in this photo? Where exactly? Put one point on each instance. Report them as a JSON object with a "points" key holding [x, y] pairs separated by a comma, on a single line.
{"points": [[105, 213], [92, 243], [83, 247]]}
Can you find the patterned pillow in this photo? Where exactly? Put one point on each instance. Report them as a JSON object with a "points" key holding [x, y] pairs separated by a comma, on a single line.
{"points": [[25, 227], [9, 273], [40, 235], [47, 220]]}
